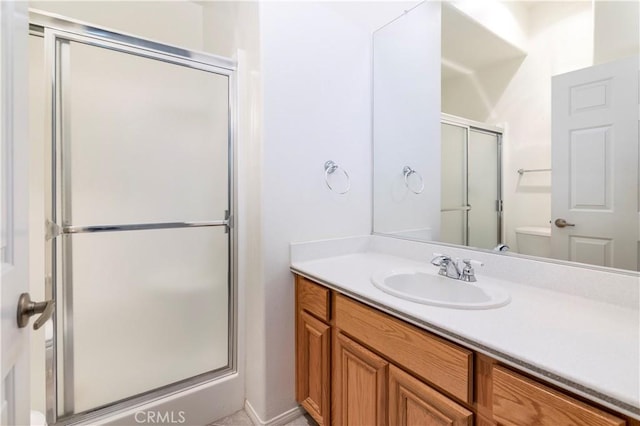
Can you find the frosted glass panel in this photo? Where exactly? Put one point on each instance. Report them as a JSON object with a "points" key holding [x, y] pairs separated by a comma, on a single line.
{"points": [[454, 182], [150, 308], [453, 224], [454, 141], [483, 189], [147, 141]]}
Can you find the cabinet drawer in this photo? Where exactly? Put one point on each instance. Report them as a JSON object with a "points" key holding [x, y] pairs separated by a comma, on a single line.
{"points": [[518, 400], [312, 298], [435, 360]]}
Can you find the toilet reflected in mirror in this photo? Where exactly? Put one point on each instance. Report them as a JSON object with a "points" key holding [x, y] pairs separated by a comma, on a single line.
{"points": [[534, 240]]}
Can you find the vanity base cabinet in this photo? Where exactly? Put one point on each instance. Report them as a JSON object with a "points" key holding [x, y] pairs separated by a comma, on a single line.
{"points": [[359, 384], [359, 366], [413, 403]]}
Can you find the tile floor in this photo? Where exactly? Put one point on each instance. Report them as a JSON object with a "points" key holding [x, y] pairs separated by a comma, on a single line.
{"points": [[240, 418]]}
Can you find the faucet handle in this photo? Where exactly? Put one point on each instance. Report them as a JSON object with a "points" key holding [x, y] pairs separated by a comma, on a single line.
{"points": [[468, 274]]}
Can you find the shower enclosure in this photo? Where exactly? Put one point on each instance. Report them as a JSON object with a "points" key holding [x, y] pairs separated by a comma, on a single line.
{"points": [[140, 243], [471, 199]]}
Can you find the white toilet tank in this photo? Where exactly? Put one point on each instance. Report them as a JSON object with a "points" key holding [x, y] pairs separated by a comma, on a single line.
{"points": [[38, 419], [534, 240]]}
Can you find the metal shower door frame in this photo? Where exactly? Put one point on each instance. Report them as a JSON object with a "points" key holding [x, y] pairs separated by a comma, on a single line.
{"points": [[464, 208], [475, 126], [58, 33]]}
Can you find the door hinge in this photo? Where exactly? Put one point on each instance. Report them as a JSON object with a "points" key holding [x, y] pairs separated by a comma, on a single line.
{"points": [[499, 206]]}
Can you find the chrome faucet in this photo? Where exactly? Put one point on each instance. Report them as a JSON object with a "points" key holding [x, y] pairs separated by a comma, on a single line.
{"points": [[450, 268]]}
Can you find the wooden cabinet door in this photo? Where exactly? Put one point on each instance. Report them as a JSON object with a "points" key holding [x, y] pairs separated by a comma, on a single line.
{"points": [[519, 400], [359, 384], [413, 403], [312, 365]]}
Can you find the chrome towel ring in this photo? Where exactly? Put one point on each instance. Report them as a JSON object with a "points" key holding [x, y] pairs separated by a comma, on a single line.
{"points": [[408, 171], [331, 167]]}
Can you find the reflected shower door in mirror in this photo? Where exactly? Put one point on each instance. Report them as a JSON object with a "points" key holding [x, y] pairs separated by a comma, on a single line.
{"points": [[561, 80], [471, 212]]}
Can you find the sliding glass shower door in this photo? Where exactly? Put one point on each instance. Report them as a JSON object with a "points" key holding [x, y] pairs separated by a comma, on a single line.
{"points": [[140, 239], [471, 204]]}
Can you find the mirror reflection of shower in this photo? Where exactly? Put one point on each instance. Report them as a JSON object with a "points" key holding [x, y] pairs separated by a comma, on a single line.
{"points": [[471, 203]]}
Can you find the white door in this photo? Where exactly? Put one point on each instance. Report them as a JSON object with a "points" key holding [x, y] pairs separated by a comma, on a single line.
{"points": [[595, 165], [14, 341]]}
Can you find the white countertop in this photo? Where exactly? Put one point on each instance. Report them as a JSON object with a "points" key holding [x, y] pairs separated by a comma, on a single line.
{"points": [[585, 345]]}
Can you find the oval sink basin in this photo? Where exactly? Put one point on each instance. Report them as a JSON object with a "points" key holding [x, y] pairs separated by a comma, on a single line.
{"points": [[426, 286]]}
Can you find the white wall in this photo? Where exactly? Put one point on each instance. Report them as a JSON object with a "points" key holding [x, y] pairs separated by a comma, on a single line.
{"points": [[506, 19], [316, 63], [517, 95], [617, 29]]}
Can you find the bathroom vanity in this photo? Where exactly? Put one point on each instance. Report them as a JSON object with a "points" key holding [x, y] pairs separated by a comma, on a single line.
{"points": [[365, 358]]}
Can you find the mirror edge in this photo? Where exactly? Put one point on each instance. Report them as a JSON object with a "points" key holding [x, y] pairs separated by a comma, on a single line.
{"points": [[570, 263]]}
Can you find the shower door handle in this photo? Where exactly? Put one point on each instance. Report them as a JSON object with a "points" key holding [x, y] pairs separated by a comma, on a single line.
{"points": [[27, 308], [457, 209]]}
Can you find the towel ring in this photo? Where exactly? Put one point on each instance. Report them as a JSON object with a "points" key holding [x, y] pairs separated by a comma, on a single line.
{"points": [[408, 171], [331, 167]]}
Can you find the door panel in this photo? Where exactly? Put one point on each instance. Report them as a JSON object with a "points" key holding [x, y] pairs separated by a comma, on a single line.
{"points": [[594, 251], [141, 251], [595, 164], [470, 186], [484, 169], [454, 184], [142, 324], [145, 139], [591, 169]]}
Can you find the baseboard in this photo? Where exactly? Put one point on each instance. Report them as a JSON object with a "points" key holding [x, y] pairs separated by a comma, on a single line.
{"points": [[278, 420]]}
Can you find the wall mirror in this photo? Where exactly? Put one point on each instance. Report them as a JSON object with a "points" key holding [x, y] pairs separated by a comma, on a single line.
{"points": [[516, 123]]}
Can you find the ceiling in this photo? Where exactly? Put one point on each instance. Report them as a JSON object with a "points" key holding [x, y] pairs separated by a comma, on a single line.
{"points": [[468, 46]]}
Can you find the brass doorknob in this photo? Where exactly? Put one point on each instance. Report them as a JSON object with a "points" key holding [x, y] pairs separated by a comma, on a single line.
{"points": [[28, 308], [561, 223]]}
